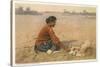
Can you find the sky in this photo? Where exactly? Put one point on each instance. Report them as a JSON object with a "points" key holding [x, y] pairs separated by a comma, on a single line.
{"points": [[56, 7]]}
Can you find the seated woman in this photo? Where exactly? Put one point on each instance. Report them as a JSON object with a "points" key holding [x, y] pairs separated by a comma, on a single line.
{"points": [[47, 39]]}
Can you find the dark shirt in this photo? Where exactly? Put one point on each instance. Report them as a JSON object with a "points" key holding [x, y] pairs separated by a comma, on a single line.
{"points": [[45, 34]]}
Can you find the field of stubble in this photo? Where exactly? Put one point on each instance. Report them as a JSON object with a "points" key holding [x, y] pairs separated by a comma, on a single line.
{"points": [[72, 27]]}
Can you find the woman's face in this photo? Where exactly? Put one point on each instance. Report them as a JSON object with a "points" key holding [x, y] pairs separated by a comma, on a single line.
{"points": [[52, 24]]}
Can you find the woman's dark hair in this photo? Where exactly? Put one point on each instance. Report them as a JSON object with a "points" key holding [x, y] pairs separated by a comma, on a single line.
{"points": [[50, 19]]}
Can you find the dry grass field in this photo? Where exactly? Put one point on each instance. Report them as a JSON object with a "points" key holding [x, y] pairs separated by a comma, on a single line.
{"points": [[68, 27]]}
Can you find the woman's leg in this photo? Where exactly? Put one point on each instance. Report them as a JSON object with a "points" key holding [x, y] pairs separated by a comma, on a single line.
{"points": [[54, 47], [44, 46]]}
